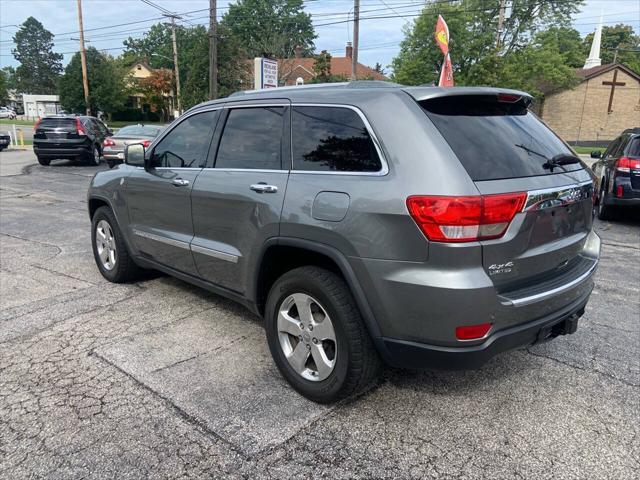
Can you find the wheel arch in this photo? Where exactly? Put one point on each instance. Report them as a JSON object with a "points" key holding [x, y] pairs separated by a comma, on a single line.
{"points": [[282, 254]]}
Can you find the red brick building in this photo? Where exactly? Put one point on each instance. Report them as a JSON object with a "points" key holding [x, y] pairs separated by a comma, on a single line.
{"points": [[290, 69]]}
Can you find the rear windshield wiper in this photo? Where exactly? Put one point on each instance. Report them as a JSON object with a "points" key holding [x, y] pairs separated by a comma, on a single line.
{"points": [[556, 161]]}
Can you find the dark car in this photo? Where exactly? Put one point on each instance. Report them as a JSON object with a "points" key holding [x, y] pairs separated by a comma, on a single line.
{"points": [[69, 137], [427, 227], [618, 173], [5, 141], [113, 147]]}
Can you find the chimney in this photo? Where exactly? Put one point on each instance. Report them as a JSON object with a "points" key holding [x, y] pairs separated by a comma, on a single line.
{"points": [[298, 51], [349, 50]]}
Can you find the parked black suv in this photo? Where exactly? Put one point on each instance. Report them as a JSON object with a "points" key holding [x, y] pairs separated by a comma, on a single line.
{"points": [[67, 137], [618, 173]]}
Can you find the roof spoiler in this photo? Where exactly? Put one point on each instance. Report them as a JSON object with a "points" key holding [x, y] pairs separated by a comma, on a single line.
{"points": [[502, 94]]}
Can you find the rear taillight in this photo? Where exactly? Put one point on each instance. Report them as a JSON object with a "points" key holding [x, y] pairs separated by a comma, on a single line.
{"points": [[620, 191], [625, 164], [465, 219], [80, 128], [146, 143], [472, 332], [109, 143], [35, 127]]}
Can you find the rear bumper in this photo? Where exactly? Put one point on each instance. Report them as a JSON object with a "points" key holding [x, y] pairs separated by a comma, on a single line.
{"points": [[413, 355], [62, 151], [624, 202]]}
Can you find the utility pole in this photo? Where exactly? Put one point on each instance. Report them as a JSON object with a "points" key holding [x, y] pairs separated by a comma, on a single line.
{"points": [[83, 58], [356, 32], [213, 51], [500, 23], [175, 62]]}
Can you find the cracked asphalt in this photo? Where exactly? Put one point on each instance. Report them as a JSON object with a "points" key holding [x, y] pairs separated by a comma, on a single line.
{"points": [[160, 379]]}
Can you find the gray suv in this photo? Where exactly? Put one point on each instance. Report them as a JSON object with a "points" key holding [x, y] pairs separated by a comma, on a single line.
{"points": [[367, 223]]}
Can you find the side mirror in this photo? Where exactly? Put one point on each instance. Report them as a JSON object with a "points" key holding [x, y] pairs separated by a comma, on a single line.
{"points": [[134, 155], [596, 154]]}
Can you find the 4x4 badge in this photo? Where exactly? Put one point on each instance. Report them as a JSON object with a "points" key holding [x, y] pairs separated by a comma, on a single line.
{"points": [[497, 268]]}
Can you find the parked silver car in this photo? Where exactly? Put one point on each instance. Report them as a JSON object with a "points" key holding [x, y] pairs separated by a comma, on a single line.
{"points": [[427, 227], [6, 112], [114, 146]]}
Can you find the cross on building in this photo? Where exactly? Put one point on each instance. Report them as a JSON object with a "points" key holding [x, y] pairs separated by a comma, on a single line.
{"points": [[613, 85]]}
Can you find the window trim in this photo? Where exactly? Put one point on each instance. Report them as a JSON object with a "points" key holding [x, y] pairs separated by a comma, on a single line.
{"points": [[384, 170], [218, 138]]}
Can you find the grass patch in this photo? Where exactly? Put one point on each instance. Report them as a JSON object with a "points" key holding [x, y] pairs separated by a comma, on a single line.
{"points": [[588, 150], [6, 121]]}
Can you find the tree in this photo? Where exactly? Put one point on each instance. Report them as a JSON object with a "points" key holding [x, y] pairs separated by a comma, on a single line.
{"points": [[39, 67], [157, 89], [621, 37], [379, 69], [536, 54], [107, 88], [322, 69], [4, 89], [193, 58], [270, 28]]}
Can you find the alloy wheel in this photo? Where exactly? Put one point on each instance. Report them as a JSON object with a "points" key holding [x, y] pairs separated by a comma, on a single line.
{"points": [[106, 245], [307, 337]]}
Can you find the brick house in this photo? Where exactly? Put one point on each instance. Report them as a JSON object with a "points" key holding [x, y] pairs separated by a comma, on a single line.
{"points": [[603, 104], [290, 69]]}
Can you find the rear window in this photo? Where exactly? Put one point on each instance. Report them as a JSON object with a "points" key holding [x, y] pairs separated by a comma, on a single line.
{"points": [[495, 140], [69, 123], [142, 130]]}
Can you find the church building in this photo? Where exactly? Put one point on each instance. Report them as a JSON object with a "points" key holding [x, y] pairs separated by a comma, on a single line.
{"points": [[600, 107]]}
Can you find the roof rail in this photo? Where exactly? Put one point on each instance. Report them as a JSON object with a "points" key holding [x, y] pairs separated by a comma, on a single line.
{"points": [[351, 84]]}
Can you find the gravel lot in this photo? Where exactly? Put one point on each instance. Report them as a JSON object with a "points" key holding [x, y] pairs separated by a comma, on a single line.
{"points": [[161, 379]]}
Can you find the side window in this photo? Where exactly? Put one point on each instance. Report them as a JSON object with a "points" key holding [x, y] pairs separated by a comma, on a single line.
{"points": [[332, 139], [188, 143], [252, 138], [634, 147], [612, 148]]}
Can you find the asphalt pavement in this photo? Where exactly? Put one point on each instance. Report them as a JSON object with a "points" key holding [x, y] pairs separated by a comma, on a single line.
{"points": [[160, 379]]}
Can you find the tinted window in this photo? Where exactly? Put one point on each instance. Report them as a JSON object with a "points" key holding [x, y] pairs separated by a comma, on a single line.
{"points": [[495, 139], [332, 139], [252, 138], [612, 147], [187, 144], [634, 147], [58, 122]]}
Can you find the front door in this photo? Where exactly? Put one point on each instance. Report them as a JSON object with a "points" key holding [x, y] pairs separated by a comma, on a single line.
{"points": [[238, 201], [159, 198]]}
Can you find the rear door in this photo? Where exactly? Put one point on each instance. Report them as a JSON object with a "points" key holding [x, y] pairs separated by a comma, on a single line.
{"points": [[159, 199], [237, 201], [505, 148]]}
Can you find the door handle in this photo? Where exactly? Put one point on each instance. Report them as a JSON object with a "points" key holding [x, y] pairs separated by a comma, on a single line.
{"points": [[180, 182], [263, 188]]}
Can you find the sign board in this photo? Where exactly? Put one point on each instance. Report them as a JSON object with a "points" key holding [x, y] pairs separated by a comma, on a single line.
{"points": [[265, 73]]}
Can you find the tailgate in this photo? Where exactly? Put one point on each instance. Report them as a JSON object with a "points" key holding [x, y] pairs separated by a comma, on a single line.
{"points": [[506, 149]]}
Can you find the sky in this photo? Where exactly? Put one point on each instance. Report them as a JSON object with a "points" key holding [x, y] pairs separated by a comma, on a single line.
{"points": [[379, 38]]}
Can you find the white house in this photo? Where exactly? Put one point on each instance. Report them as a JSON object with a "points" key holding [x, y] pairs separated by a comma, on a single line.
{"points": [[36, 106]]}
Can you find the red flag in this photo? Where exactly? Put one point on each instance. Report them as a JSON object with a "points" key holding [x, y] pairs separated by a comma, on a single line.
{"points": [[442, 35], [446, 74]]}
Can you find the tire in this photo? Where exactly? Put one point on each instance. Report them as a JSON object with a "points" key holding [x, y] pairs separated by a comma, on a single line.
{"points": [[355, 362], [604, 211], [44, 161], [94, 158], [120, 267]]}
